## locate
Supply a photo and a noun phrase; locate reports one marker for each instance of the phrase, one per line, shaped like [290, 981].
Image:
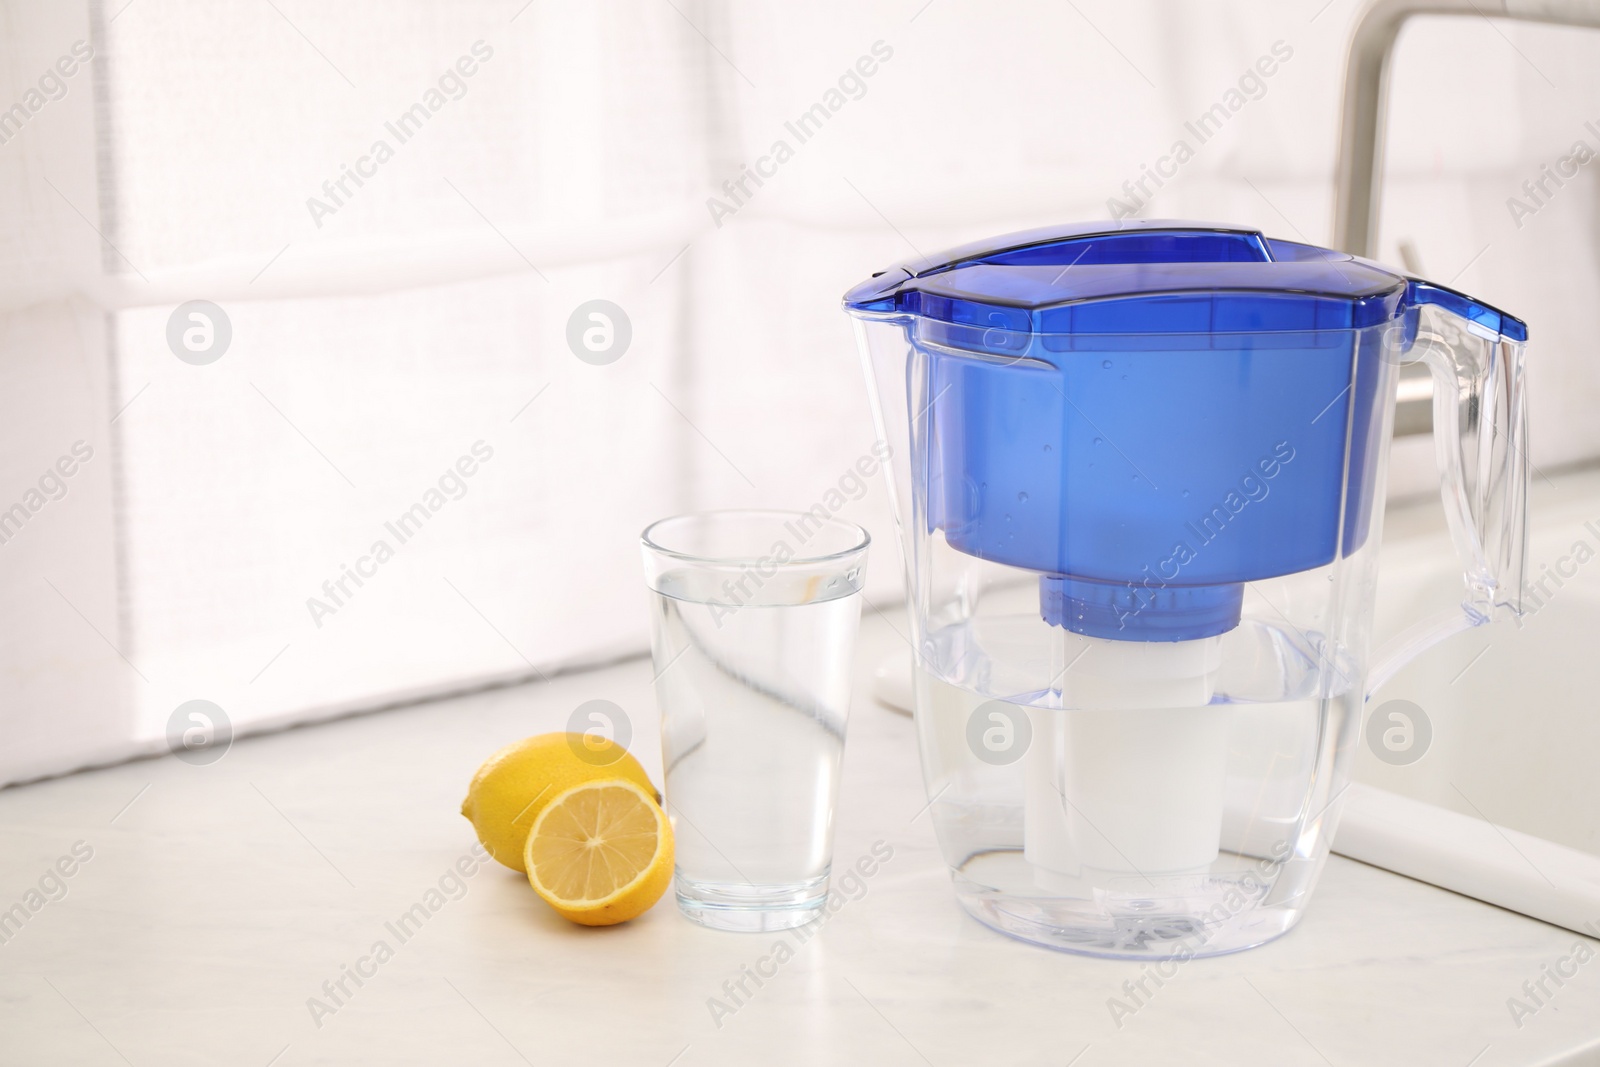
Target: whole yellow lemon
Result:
[516, 783]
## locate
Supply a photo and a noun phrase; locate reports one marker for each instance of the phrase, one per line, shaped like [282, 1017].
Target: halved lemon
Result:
[600, 853]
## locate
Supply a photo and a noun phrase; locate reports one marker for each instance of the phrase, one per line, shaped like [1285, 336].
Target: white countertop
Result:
[219, 899]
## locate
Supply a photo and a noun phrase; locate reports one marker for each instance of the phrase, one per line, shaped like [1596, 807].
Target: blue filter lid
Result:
[1147, 277]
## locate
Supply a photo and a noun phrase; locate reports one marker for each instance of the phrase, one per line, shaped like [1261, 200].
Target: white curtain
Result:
[390, 334]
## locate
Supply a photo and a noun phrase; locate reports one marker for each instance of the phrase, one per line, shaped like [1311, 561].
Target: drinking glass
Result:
[753, 620]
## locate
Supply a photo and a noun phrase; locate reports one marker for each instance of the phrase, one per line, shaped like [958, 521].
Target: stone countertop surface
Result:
[207, 906]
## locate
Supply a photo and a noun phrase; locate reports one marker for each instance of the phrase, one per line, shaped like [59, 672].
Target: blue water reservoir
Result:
[1150, 414]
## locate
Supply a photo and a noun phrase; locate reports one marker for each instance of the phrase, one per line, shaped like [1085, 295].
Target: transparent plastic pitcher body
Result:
[1140, 483]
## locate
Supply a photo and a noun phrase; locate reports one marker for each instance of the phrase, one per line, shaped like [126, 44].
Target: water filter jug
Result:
[1139, 481]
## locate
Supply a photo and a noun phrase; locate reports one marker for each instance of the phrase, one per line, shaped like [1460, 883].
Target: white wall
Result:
[66, 694]
[372, 350]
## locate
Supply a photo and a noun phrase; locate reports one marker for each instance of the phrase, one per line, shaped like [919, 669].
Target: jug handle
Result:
[1480, 436]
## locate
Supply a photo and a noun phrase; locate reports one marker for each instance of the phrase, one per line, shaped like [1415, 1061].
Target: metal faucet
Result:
[1360, 169]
